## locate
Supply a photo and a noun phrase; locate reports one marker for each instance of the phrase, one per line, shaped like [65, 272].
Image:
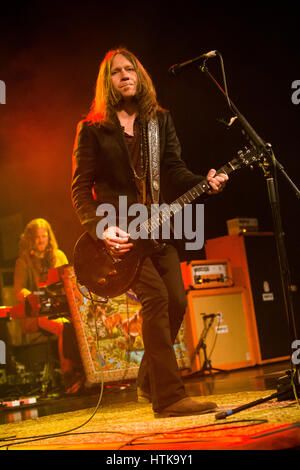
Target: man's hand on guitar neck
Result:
[217, 182]
[116, 241]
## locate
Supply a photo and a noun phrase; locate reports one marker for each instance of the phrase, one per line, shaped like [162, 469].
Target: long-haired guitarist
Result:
[127, 146]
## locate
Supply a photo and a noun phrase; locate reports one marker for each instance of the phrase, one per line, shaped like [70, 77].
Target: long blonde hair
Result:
[107, 97]
[27, 241]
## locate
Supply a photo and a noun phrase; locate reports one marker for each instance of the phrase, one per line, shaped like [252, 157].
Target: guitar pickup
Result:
[103, 280]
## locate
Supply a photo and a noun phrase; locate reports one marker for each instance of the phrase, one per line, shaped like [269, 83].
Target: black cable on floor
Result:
[201, 428]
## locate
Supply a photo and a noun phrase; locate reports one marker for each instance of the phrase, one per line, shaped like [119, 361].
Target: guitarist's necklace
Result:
[139, 157]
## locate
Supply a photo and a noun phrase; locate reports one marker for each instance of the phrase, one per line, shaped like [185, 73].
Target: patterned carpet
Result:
[270, 425]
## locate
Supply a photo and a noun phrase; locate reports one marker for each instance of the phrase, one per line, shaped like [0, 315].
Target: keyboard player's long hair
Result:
[27, 242]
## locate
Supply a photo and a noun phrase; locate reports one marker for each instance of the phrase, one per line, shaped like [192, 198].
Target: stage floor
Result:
[120, 423]
[258, 378]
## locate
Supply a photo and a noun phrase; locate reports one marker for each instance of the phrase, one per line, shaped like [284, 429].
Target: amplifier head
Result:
[206, 274]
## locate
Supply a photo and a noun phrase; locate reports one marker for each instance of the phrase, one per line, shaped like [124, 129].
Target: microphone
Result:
[175, 69]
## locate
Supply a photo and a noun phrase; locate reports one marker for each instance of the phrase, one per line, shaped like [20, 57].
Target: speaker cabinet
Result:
[255, 266]
[228, 344]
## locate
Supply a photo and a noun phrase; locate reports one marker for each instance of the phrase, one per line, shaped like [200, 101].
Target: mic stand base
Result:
[204, 368]
[285, 391]
[202, 345]
[207, 367]
[288, 384]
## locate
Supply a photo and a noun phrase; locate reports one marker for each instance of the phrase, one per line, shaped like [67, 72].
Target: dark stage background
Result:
[50, 53]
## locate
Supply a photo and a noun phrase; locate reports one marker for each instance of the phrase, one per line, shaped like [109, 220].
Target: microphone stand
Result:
[202, 345]
[291, 386]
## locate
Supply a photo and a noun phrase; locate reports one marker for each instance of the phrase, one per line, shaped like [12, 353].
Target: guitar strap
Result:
[154, 159]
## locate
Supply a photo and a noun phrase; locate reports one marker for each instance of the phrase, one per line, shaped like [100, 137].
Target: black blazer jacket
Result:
[102, 169]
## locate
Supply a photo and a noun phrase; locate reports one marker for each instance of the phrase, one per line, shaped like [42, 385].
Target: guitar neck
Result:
[200, 188]
[162, 216]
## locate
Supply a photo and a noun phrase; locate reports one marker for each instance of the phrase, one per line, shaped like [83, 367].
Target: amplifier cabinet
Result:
[254, 262]
[228, 341]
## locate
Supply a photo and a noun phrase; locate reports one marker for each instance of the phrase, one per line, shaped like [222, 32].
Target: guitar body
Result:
[104, 275]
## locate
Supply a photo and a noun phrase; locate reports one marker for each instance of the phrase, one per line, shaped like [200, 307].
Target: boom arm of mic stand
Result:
[264, 147]
[254, 138]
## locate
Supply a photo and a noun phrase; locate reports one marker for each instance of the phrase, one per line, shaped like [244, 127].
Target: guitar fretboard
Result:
[165, 213]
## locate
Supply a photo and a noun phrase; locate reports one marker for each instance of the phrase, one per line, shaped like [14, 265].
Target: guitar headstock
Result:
[245, 158]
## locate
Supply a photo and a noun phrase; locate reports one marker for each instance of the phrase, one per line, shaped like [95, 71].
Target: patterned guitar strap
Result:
[154, 159]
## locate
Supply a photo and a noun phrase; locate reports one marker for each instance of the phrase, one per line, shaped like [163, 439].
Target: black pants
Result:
[161, 292]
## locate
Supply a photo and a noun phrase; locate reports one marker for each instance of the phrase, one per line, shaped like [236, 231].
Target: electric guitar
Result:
[108, 276]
